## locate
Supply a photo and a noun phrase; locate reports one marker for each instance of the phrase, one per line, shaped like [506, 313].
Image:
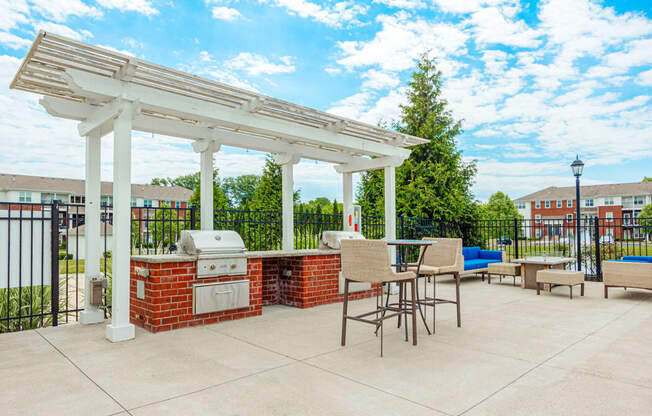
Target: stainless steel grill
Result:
[331, 239]
[219, 253]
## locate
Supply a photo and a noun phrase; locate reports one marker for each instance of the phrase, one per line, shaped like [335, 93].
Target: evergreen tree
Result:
[434, 182]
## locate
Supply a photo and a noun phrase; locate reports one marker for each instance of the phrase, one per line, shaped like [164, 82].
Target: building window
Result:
[547, 204]
[147, 203]
[24, 196]
[77, 199]
[177, 204]
[537, 218]
[106, 201]
[569, 217]
[588, 202]
[46, 198]
[537, 233]
[559, 203]
[626, 218]
[639, 200]
[609, 216]
[609, 201]
[569, 203]
[134, 202]
[538, 204]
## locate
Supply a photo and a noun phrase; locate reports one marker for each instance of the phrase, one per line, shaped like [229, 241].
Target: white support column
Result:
[120, 329]
[93, 241]
[287, 162]
[390, 207]
[347, 199]
[206, 148]
[206, 190]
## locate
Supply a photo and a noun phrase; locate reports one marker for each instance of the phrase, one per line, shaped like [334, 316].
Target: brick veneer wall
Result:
[314, 281]
[168, 296]
[270, 271]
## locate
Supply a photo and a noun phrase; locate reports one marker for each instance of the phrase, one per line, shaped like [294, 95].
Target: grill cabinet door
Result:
[222, 296]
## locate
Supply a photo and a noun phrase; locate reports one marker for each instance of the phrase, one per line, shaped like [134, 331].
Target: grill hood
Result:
[201, 243]
[331, 239]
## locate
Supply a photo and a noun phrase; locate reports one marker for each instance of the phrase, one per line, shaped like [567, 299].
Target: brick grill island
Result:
[298, 278]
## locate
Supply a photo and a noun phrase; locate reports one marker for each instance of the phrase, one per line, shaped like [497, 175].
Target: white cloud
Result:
[255, 65]
[205, 56]
[403, 4]
[140, 6]
[225, 13]
[492, 26]
[12, 41]
[59, 10]
[62, 30]
[400, 41]
[379, 80]
[645, 78]
[338, 14]
[14, 12]
[332, 71]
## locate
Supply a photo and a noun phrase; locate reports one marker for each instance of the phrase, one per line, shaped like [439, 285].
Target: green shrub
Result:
[26, 301]
[64, 256]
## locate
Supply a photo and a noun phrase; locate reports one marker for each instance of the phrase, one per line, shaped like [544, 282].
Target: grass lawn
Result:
[77, 266]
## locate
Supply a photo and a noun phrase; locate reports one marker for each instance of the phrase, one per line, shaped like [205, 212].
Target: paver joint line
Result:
[549, 358]
[82, 371]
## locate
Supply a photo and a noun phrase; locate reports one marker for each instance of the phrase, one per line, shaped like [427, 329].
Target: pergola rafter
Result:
[106, 91]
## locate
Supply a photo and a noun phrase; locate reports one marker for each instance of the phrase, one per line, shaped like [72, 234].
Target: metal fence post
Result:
[401, 226]
[193, 214]
[54, 274]
[598, 261]
[516, 237]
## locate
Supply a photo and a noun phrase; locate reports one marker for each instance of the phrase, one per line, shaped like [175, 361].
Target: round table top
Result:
[410, 242]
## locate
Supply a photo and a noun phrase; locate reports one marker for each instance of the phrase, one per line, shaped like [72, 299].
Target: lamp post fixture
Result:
[577, 167]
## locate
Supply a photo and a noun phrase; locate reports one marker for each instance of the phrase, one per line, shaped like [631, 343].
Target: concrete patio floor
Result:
[516, 354]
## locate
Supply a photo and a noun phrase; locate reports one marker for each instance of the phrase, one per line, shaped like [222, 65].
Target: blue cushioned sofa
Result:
[476, 260]
[637, 259]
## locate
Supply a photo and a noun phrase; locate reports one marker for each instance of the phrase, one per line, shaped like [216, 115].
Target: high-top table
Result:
[530, 266]
[401, 266]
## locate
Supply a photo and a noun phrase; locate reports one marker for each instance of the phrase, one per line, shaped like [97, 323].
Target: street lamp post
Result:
[577, 167]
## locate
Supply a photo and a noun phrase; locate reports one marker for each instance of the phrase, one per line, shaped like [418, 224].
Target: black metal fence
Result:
[42, 246]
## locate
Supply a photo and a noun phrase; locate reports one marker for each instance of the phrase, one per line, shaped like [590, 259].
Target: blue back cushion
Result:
[470, 253]
[491, 254]
[641, 259]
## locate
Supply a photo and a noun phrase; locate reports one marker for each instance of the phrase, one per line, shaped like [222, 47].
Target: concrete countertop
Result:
[291, 253]
[177, 258]
[164, 258]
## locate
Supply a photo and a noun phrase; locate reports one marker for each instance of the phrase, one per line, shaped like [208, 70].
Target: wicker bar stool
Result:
[443, 258]
[368, 261]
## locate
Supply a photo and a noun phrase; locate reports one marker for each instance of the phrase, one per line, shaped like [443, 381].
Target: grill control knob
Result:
[212, 267]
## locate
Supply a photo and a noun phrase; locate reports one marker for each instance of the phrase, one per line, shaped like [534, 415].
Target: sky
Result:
[534, 83]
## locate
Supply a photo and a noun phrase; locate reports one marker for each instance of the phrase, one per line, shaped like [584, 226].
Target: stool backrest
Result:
[445, 252]
[365, 260]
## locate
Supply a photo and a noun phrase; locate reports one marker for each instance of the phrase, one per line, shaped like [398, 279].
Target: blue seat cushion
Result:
[641, 259]
[491, 254]
[478, 264]
[631, 260]
[470, 253]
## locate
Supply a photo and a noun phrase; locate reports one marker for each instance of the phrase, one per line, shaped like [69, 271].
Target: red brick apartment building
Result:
[45, 190]
[552, 210]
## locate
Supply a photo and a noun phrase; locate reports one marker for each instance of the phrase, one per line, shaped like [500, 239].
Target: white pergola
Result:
[110, 92]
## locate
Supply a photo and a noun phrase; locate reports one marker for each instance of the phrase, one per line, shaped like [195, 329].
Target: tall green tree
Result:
[645, 220]
[434, 182]
[268, 195]
[499, 207]
[647, 179]
[190, 181]
[498, 214]
[220, 200]
[240, 190]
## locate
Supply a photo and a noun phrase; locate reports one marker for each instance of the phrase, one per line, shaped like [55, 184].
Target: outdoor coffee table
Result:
[530, 266]
[401, 266]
